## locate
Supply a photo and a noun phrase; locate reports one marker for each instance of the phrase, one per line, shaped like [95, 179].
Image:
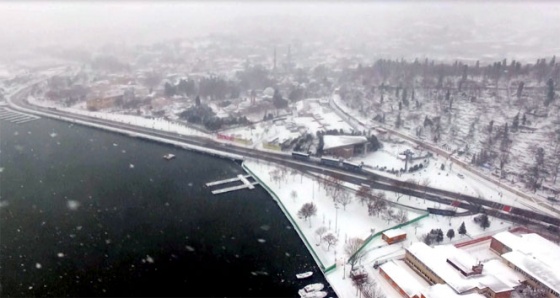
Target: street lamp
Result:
[336, 218]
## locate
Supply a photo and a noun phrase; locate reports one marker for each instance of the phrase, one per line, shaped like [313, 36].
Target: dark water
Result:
[90, 213]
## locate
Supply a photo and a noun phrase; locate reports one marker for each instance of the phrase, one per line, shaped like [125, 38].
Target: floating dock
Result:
[242, 178]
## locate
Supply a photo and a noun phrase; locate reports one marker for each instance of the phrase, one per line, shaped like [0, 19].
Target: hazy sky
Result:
[27, 24]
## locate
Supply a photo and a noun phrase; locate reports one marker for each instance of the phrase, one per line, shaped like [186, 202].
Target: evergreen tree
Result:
[484, 221]
[450, 234]
[439, 237]
[550, 92]
[197, 101]
[462, 229]
[515, 124]
[169, 90]
[520, 89]
[523, 119]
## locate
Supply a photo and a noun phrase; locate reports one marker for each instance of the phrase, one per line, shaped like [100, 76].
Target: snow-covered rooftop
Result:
[436, 259]
[394, 233]
[444, 291]
[331, 141]
[535, 255]
[402, 278]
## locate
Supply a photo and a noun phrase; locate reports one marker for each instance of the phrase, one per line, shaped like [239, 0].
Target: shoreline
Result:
[133, 134]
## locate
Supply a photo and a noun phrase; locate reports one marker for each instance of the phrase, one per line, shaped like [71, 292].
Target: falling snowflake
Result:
[53, 134]
[265, 227]
[149, 259]
[72, 205]
[131, 166]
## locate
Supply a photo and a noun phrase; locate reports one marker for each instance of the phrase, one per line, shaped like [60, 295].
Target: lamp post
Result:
[336, 218]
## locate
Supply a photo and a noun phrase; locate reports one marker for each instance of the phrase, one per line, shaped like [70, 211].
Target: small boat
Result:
[314, 287]
[169, 156]
[304, 275]
[315, 294]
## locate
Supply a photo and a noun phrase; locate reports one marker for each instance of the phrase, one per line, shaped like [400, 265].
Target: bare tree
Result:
[425, 183]
[400, 216]
[275, 176]
[344, 198]
[530, 292]
[371, 290]
[351, 247]
[330, 239]
[363, 194]
[293, 173]
[413, 183]
[307, 210]
[320, 232]
[293, 194]
[504, 159]
[332, 185]
[377, 204]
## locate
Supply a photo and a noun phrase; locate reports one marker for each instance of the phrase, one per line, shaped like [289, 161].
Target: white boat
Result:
[304, 275]
[314, 294]
[314, 287]
[169, 156]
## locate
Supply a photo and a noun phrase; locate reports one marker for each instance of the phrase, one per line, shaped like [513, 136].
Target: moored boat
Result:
[314, 294]
[314, 287]
[169, 156]
[304, 275]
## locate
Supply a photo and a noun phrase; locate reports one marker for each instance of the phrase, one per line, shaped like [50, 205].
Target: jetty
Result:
[243, 178]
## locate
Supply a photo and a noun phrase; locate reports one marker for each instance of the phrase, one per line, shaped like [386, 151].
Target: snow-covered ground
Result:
[158, 123]
[295, 189]
[452, 178]
[456, 135]
[311, 116]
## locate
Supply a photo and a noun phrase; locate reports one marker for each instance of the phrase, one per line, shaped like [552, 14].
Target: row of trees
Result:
[455, 75]
[436, 235]
[207, 87]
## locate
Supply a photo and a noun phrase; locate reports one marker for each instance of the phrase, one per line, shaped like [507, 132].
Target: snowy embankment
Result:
[159, 124]
[136, 134]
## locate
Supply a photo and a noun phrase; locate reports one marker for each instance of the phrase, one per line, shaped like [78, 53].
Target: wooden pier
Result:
[243, 178]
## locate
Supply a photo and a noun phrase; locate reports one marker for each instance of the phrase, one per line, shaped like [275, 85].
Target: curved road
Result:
[474, 204]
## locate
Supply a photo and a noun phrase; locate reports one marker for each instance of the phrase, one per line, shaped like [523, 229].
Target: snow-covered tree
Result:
[363, 194]
[330, 239]
[320, 232]
[307, 210]
[344, 198]
[351, 247]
